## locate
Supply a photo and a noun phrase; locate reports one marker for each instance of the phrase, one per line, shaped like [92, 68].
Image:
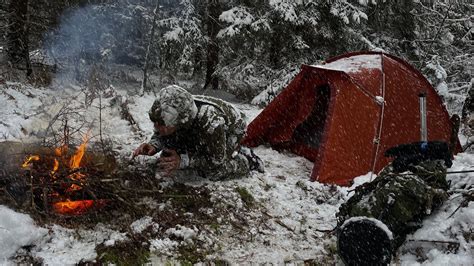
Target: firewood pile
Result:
[100, 188]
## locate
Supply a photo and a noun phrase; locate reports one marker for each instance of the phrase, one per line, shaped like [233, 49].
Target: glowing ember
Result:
[73, 188]
[77, 207]
[31, 158]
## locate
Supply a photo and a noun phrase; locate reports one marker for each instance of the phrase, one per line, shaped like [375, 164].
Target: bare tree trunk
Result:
[17, 35]
[148, 49]
[212, 59]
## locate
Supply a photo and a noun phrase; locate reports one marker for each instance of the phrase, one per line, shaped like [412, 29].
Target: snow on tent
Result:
[343, 115]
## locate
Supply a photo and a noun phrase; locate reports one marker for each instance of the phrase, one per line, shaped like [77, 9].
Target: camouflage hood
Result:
[174, 106]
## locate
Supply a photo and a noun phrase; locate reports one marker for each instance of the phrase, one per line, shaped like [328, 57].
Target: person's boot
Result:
[255, 163]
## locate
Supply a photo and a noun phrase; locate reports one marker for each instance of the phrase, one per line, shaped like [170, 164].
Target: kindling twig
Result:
[467, 146]
[470, 196]
[32, 192]
[457, 244]
[441, 26]
[460, 172]
[156, 192]
[278, 221]
[108, 180]
[325, 230]
[448, 173]
[459, 207]
[45, 199]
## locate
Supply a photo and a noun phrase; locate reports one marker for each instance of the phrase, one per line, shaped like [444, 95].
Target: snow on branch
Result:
[237, 17]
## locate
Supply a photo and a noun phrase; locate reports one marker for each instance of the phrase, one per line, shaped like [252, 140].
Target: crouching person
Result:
[198, 132]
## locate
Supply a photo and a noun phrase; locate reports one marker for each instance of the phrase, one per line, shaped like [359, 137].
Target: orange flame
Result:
[77, 157]
[69, 207]
[27, 162]
[59, 151]
[81, 206]
[77, 207]
[55, 167]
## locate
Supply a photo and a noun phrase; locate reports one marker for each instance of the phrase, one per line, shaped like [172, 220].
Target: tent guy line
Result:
[382, 112]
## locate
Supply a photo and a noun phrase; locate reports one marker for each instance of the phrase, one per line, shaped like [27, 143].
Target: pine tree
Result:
[18, 35]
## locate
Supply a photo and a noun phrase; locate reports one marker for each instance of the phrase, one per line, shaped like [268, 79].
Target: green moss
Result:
[187, 198]
[220, 263]
[331, 248]
[313, 263]
[123, 255]
[189, 255]
[245, 195]
[215, 227]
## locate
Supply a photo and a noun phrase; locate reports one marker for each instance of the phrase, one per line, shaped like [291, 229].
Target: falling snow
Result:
[289, 224]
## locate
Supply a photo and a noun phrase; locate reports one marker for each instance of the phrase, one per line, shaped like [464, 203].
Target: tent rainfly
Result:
[343, 115]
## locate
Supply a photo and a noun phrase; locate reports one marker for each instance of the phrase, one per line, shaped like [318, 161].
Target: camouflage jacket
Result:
[209, 142]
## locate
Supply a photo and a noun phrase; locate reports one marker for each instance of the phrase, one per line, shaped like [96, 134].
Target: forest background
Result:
[69, 65]
[242, 47]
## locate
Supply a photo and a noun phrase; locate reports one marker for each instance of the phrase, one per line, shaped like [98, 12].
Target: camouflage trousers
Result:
[236, 166]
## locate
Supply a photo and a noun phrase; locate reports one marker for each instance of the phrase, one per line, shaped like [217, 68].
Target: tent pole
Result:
[423, 122]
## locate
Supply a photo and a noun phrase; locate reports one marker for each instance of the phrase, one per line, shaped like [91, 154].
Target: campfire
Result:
[59, 180]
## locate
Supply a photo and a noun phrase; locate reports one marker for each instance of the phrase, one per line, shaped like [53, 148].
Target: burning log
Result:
[375, 221]
[56, 179]
[77, 207]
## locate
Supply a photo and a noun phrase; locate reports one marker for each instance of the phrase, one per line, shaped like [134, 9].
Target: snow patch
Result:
[286, 9]
[182, 232]
[237, 17]
[67, 246]
[355, 63]
[379, 99]
[140, 225]
[17, 230]
[164, 246]
[174, 34]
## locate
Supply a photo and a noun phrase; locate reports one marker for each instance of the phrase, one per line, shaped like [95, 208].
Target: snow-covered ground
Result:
[290, 220]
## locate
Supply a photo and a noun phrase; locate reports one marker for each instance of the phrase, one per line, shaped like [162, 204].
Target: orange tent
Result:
[344, 114]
